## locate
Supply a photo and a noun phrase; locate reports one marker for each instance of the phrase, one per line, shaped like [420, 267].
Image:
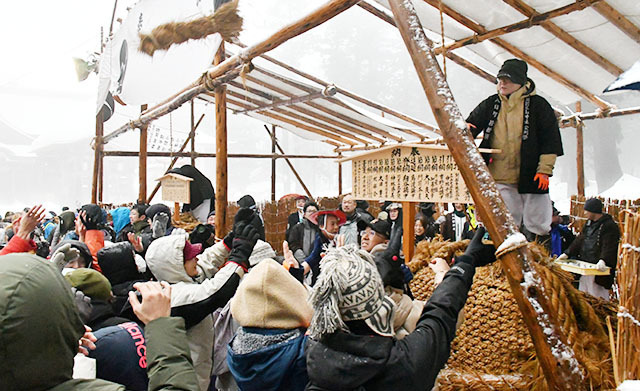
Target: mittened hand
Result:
[478, 253]
[543, 181]
[245, 239]
[64, 255]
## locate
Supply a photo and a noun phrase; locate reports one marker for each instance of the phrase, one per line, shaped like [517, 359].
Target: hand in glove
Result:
[83, 303]
[601, 265]
[562, 257]
[64, 255]
[478, 253]
[244, 240]
[159, 225]
[244, 215]
[543, 181]
[389, 262]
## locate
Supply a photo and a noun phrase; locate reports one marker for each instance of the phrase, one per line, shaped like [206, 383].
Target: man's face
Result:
[310, 210]
[458, 207]
[331, 226]
[591, 216]
[506, 87]
[134, 216]
[211, 220]
[300, 203]
[393, 214]
[348, 204]
[370, 239]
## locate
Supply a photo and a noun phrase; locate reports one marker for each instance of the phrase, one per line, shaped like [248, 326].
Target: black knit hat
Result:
[381, 226]
[515, 70]
[593, 205]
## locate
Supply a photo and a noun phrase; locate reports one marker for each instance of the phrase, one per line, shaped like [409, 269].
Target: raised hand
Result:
[156, 300]
[29, 221]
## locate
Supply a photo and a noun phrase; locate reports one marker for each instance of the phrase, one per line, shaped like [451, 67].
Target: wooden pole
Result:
[567, 38]
[295, 173]
[273, 163]
[192, 136]
[569, 121]
[580, 151]
[339, 175]
[177, 155]
[221, 152]
[97, 157]
[618, 20]
[555, 356]
[408, 229]
[174, 159]
[324, 93]
[142, 161]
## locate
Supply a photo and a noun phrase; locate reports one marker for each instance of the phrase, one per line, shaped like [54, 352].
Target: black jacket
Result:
[598, 240]
[344, 361]
[542, 138]
[448, 231]
[292, 221]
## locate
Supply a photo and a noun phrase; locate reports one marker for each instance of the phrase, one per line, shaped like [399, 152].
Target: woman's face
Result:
[393, 214]
[418, 228]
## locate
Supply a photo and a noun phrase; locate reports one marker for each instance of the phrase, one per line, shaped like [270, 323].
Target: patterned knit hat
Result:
[350, 288]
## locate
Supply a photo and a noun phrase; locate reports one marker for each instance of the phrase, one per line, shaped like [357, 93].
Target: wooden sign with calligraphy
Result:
[413, 173]
[176, 188]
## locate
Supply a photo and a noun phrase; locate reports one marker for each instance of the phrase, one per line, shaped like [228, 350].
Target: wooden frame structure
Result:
[291, 104]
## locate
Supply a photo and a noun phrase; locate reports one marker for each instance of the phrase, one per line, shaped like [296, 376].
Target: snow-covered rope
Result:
[623, 313]
[631, 247]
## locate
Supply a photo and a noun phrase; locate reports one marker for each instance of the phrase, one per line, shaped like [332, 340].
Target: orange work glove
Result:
[543, 181]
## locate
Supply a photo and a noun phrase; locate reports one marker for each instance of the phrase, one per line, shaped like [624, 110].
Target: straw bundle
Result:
[494, 339]
[187, 222]
[628, 338]
[225, 21]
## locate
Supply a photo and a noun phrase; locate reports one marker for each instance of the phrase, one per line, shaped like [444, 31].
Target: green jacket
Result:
[40, 328]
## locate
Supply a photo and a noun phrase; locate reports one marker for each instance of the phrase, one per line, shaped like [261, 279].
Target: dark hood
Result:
[277, 367]
[39, 324]
[67, 221]
[344, 361]
[117, 263]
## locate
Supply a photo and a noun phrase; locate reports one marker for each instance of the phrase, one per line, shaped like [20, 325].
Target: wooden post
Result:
[580, 151]
[176, 211]
[295, 173]
[273, 163]
[97, 157]
[221, 151]
[192, 136]
[339, 174]
[142, 162]
[556, 357]
[408, 233]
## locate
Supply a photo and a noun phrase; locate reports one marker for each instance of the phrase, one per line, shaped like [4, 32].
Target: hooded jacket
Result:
[540, 134]
[346, 361]
[195, 302]
[301, 239]
[598, 240]
[267, 352]
[40, 328]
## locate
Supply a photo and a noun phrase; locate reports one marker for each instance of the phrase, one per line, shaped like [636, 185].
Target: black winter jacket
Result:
[598, 240]
[542, 137]
[344, 361]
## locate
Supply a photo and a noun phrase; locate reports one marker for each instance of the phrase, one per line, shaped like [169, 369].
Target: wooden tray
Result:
[576, 266]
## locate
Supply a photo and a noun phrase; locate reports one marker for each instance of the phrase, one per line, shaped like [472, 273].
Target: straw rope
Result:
[225, 21]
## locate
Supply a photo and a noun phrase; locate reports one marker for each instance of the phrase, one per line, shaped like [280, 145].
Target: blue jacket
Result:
[120, 218]
[281, 366]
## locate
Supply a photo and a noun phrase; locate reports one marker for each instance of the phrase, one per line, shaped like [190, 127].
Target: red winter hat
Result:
[191, 250]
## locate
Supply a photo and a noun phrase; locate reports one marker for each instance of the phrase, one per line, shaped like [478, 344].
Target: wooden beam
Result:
[330, 111]
[97, 157]
[618, 20]
[221, 152]
[580, 151]
[408, 229]
[324, 93]
[452, 56]
[192, 135]
[273, 163]
[353, 95]
[177, 155]
[555, 356]
[173, 155]
[570, 121]
[295, 173]
[324, 118]
[142, 162]
[545, 22]
[309, 121]
[470, 24]
[339, 175]
[297, 124]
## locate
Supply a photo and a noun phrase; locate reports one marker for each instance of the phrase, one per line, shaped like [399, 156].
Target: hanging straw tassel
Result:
[225, 21]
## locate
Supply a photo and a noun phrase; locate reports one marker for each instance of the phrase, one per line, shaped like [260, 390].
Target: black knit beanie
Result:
[515, 70]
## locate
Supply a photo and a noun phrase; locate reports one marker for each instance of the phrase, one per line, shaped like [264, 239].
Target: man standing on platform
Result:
[598, 244]
[524, 127]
